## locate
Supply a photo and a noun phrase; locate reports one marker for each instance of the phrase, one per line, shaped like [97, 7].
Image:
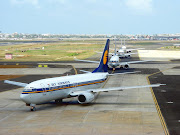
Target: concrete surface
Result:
[158, 55]
[33, 71]
[171, 72]
[120, 112]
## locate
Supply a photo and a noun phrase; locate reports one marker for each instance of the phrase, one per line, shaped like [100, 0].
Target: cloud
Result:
[35, 3]
[92, 1]
[140, 6]
[57, 1]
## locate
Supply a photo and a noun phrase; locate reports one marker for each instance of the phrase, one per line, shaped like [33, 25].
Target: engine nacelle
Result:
[86, 97]
[126, 66]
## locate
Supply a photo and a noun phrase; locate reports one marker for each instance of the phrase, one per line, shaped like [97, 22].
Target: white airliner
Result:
[84, 86]
[123, 52]
[115, 61]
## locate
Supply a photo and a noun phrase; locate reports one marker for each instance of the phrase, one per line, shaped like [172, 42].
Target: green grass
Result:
[171, 48]
[60, 51]
[150, 42]
[73, 54]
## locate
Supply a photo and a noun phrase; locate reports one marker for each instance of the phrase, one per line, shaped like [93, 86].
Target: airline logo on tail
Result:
[103, 67]
[105, 58]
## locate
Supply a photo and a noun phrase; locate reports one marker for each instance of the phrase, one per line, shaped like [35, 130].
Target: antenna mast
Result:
[121, 42]
[115, 47]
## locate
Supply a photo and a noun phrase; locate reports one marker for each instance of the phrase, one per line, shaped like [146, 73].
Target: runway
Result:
[121, 112]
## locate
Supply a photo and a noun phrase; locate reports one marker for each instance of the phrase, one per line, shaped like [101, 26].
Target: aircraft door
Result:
[43, 88]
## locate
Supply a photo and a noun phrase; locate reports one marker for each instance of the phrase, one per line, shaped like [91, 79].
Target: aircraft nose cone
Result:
[23, 97]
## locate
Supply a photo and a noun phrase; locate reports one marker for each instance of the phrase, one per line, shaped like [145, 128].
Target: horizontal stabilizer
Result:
[85, 71]
[124, 73]
[16, 83]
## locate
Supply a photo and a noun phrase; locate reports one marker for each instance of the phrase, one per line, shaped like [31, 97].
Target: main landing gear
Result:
[32, 107]
[58, 101]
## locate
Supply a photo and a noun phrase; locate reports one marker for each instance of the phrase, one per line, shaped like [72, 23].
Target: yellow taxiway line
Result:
[166, 131]
[74, 70]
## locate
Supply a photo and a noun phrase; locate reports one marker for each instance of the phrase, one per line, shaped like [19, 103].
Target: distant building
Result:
[8, 56]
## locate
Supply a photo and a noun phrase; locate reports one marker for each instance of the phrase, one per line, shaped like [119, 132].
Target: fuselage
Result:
[114, 61]
[123, 53]
[45, 90]
[123, 48]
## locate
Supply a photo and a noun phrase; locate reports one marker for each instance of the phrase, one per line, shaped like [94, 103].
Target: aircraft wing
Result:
[131, 62]
[125, 87]
[134, 49]
[109, 53]
[87, 61]
[123, 73]
[127, 54]
[76, 93]
[16, 83]
[130, 53]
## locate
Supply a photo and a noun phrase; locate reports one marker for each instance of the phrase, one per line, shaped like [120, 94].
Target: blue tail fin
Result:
[103, 65]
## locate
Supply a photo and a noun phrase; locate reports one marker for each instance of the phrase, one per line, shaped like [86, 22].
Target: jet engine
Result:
[86, 97]
[126, 66]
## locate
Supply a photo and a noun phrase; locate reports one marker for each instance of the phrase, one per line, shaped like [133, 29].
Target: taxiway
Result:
[121, 112]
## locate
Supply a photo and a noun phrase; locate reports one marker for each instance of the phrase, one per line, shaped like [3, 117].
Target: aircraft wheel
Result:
[126, 68]
[58, 101]
[33, 108]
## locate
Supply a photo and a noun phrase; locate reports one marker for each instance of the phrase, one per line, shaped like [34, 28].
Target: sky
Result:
[90, 16]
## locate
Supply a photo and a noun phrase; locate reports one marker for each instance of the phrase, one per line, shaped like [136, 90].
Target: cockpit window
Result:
[27, 89]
